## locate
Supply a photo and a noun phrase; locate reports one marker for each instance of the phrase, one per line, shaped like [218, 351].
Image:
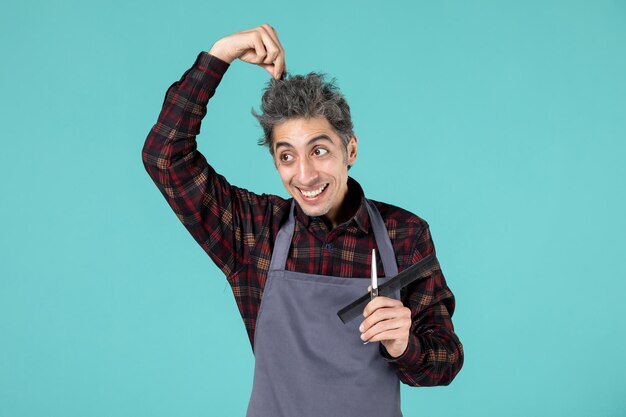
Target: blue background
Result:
[500, 123]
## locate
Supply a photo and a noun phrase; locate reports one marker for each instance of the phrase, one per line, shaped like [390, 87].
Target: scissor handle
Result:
[374, 293]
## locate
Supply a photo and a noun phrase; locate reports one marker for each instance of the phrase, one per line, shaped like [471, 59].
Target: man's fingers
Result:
[279, 63]
[272, 32]
[259, 45]
[388, 316]
[279, 66]
[375, 332]
[255, 51]
[380, 302]
[271, 46]
[264, 51]
[393, 334]
[381, 330]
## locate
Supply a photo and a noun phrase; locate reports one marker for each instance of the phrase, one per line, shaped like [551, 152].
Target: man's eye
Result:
[320, 152]
[286, 157]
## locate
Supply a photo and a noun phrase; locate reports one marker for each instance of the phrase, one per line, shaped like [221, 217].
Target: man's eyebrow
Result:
[285, 144]
[317, 138]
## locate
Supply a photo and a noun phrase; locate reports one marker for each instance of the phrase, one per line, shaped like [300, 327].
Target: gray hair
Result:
[304, 96]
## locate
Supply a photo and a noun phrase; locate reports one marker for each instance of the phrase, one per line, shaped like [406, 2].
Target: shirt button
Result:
[328, 246]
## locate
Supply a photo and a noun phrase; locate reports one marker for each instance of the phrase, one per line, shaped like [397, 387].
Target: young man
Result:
[292, 264]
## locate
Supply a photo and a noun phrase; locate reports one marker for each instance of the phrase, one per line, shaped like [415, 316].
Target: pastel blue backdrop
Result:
[501, 123]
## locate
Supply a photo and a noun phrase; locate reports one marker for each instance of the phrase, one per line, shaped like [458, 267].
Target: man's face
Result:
[313, 164]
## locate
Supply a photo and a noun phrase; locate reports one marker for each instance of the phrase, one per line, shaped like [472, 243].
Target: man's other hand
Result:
[259, 46]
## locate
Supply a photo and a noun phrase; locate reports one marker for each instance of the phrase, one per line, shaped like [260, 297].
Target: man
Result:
[292, 264]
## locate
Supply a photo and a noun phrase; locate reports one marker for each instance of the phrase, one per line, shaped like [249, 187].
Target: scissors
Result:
[374, 292]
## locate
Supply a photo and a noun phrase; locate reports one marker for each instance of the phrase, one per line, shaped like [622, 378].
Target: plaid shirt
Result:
[237, 229]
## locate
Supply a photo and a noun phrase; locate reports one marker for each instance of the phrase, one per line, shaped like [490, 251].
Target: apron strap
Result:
[385, 249]
[283, 242]
[383, 242]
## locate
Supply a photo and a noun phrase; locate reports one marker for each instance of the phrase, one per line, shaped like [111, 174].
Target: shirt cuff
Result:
[208, 63]
[410, 356]
[198, 83]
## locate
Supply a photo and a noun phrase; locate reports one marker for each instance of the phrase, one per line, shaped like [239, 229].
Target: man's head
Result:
[303, 96]
[308, 130]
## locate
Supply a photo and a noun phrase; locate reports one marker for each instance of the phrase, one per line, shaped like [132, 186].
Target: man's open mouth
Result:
[313, 193]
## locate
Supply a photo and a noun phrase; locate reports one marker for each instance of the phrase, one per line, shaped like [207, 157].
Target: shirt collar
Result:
[360, 217]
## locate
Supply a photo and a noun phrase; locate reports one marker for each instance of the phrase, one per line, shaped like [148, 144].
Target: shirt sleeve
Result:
[222, 218]
[434, 355]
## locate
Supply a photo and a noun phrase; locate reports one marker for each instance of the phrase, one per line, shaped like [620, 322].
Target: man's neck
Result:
[347, 209]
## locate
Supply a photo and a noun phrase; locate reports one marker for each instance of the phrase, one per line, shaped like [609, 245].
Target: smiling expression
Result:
[313, 165]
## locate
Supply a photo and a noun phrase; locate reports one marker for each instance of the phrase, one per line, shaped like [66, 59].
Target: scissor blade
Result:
[374, 274]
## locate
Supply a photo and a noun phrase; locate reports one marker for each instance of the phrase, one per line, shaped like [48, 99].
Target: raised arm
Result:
[222, 218]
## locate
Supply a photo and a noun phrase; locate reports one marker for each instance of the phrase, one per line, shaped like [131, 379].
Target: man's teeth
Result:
[313, 193]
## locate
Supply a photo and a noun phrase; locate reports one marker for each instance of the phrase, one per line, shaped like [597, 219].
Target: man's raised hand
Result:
[259, 46]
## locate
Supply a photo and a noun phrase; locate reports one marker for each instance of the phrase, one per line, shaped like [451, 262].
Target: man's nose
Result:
[306, 172]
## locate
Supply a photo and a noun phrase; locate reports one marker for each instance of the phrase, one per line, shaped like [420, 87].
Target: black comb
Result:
[422, 269]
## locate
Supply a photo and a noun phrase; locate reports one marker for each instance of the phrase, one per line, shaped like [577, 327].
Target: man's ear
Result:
[352, 150]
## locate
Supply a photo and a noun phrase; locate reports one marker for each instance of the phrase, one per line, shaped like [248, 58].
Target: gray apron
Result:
[307, 362]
